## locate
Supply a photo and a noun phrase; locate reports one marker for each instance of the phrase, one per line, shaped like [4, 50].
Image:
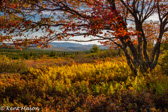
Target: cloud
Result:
[154, 17]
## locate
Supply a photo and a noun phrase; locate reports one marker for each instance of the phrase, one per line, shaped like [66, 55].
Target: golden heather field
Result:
[63, 85]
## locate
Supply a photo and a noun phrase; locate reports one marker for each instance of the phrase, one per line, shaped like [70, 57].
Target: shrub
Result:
[101, 86]
[95, 49]
[11, 66]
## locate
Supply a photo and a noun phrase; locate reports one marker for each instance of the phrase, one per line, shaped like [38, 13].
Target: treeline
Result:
[37, 54]
[32, 53]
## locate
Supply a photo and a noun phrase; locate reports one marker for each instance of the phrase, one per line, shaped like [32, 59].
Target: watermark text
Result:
[8, 108]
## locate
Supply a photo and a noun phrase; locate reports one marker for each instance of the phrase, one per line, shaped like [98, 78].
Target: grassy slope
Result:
[102, 86]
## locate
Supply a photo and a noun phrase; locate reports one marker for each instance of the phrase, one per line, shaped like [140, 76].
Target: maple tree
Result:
[121, 23]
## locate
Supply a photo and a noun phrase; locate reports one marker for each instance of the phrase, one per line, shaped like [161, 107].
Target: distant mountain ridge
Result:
[67, 46]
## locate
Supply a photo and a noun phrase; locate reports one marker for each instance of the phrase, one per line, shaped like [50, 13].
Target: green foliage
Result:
[164, 46]
[52, 54]
[10, 66]
[95, 49]
[164, 63]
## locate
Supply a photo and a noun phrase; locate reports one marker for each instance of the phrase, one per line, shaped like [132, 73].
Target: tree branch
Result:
[82, 40]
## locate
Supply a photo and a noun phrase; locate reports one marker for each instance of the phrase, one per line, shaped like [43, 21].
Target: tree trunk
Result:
[136, 64]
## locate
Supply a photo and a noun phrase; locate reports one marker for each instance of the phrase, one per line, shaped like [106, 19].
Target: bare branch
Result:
[128, 8]
[159, 13]
[166, 29]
